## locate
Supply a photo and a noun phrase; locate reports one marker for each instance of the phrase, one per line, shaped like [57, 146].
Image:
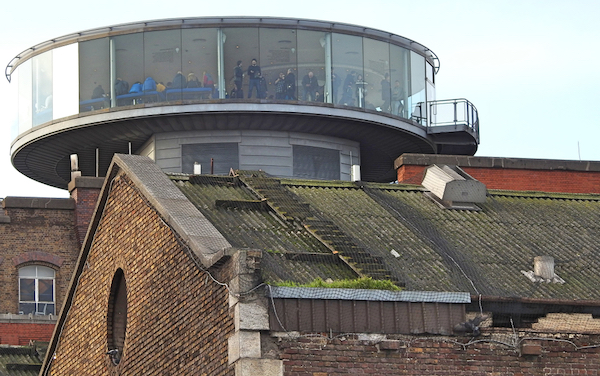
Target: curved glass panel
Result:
[162, 64]
[278, 54]
[127, 68]
[400, 80]
[312, 74]
[416, 99]
[191, 64]
[13, 102]
[25, 95]
[241, 44]
[347, 60]
[200, 64]
[94, 75]
[377, 75]
[66, 76]
[41, 96]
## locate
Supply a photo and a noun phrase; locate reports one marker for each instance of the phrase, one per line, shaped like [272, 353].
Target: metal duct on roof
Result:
[452, 186]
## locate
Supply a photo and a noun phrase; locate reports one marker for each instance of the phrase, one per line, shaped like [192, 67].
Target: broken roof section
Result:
[336, 230]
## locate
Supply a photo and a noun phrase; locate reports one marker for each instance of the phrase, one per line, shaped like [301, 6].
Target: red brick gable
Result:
[178, 318]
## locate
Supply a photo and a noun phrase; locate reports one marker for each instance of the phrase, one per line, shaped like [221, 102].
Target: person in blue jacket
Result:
[149, 84]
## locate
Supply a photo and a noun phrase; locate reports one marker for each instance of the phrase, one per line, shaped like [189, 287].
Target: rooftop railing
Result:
[453, 112]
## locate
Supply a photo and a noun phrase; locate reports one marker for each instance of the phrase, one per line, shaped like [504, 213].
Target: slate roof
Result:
[332, 229]
[21, 360]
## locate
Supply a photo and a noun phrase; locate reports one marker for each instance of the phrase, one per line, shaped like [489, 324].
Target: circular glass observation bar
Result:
[306, 94]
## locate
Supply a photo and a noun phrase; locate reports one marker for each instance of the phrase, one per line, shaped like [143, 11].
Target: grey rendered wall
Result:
[265, 150]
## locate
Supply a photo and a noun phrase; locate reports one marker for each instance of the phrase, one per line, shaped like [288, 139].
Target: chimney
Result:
[85, 190]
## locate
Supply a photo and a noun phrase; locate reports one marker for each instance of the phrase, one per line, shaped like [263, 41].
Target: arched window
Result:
[117, 317]
[36, 290]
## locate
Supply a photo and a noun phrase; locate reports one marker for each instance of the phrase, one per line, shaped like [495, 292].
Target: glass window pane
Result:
[44, 309]
[44, 272]
[46, 290]
[42, 88]
[347, 60]
[25, 96]
[377, 75]
[311, 59]
[66, 75]
[26, 290]
[277, 54]
[28, 272]
[400, 78]
[162, 64]
[13, 102]
[127, 53]
[94, 75]
[241, 44]
[430, 74]
[200, 63]
[26, 308]
[417, 89]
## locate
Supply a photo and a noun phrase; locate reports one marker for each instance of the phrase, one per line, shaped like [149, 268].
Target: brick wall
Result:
[19, 334]
[178, 319]
[85, 192]
[436, 356]
[36, 235]
[518, 174]
[518, 179]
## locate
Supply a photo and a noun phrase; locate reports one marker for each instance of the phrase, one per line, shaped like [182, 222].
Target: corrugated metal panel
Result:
[364, 316]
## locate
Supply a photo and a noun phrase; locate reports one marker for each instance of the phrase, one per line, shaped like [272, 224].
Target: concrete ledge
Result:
[38, 203]
[494, 162]
[27, 319]
[89, 182]
[259, 367]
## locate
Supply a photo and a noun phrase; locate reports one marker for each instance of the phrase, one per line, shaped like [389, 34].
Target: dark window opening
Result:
[220, 157]
[117, 317]
[316, 163]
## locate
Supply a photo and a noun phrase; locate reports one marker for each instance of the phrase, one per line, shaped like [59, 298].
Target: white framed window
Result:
[36, 290]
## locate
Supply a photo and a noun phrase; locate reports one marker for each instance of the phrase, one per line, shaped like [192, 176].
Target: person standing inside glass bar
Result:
[361, 90]
[290, 84]
[386, 87]
[238, 77]
[254, 76]
[397, 95]
[310, 86]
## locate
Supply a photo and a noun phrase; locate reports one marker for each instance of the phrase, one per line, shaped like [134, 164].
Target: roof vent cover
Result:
[543, 271]
[453, 188]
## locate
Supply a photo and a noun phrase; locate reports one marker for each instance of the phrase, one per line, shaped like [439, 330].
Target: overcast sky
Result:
[530, 67]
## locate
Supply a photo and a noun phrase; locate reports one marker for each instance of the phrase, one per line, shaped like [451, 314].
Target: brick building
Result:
[179, 274]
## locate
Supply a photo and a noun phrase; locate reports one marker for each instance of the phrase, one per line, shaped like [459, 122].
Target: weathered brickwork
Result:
[178, 319]
[36, 237]
[86, 203]
[435, 356]
[518, 179]
[19, 334]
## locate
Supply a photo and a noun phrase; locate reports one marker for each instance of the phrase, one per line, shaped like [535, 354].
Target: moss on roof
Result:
[338, 230]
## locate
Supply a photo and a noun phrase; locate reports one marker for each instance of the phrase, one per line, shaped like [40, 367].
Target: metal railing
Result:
[453, 112]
